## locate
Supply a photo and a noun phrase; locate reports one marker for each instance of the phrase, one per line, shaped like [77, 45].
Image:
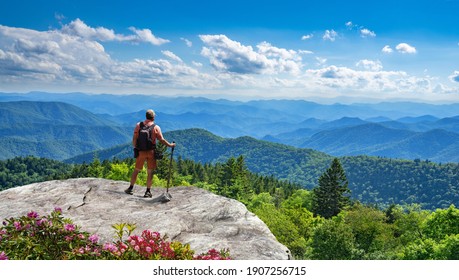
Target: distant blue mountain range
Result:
[398, 130]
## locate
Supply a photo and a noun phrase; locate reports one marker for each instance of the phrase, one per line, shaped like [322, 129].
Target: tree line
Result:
[322, 223]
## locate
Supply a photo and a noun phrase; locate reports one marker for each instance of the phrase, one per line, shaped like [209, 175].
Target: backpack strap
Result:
[150, 128]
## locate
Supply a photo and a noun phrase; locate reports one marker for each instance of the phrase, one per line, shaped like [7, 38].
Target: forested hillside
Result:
[54, 130]
[382, 181]
[373, 180]
[379, 140]
[355, 232]
[26, 170]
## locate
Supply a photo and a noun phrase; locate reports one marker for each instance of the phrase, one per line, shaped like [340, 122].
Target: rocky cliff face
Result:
[194, 216]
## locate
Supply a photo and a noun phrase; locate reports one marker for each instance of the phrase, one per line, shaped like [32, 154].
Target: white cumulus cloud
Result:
[187, 42]
[330, 35]
[307, 37]
[344, 78]
[197, 64]
[371, 65]
[80, 29]
[145, 35]
[60, 59]
[172, 56]
[349, 25]
[405, 48]
[231, 56]
[387, 49]
[74, 57]
[367, 33]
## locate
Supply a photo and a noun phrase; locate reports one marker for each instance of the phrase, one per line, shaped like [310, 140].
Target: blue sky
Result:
[315, 50]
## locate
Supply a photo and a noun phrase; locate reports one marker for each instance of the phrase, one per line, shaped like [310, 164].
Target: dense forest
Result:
[352, 231]
[373, 180]
[21, 171]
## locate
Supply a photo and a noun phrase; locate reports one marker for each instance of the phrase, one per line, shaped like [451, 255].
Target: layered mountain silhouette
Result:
[54, 130]
[396, 130]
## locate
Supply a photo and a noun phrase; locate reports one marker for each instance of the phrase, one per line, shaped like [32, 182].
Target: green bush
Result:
[54, 237]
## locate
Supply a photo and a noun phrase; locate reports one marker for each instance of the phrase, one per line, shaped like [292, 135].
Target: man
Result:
[146, 155]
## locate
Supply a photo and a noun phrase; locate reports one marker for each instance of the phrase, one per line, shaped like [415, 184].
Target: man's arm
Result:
[160, 137]
[134, 139]
[135, 135]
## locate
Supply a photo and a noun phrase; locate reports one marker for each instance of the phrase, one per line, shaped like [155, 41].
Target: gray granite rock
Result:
[194, 216]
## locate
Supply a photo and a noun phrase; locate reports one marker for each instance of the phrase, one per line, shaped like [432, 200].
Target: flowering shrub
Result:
[54, 237]
[213, 254]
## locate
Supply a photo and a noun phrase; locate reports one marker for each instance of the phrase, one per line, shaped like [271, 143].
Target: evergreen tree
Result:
[331, 196]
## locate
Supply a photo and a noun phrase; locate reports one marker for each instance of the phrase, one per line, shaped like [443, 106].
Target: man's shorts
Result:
[147, 156]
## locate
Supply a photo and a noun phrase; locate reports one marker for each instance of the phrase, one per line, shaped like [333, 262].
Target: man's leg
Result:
[132, 182]
[150, 178]
[134, 176]
[151, 166]
[138, 167]
[150, 173]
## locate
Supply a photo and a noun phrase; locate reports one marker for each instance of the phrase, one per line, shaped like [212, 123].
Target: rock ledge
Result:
[194, 216]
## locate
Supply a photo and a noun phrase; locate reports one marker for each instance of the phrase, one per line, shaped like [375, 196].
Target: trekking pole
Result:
[170, 170]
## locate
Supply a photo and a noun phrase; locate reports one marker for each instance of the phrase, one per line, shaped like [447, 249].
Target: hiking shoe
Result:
[147, 194]
[129, 191]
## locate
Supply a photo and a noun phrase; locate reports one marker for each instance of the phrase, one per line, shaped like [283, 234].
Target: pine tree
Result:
[331, 196]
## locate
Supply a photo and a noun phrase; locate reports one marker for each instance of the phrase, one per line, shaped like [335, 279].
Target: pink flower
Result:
[3, 256]
[32, 215]
[94, 238]
[110, 247]
[69, 227]
[17, 225]
[213, 254]
[58, 210]
[42, 222]
[123, 247]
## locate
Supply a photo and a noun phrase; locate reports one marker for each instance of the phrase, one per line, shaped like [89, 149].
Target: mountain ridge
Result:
[373, 180]
[54, 130]
[343, 136]
[110, 103]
